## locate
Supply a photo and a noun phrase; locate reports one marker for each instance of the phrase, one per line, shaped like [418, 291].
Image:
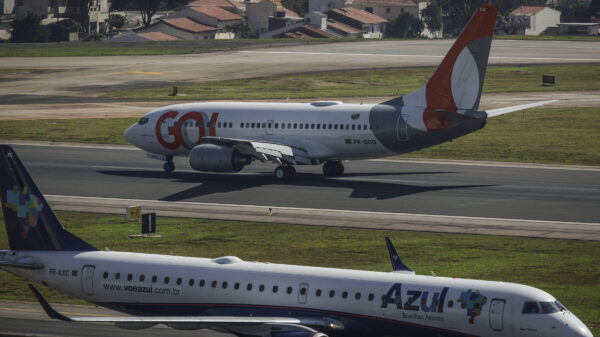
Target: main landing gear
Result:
[333, 169]
[284, 172]
[169, 166]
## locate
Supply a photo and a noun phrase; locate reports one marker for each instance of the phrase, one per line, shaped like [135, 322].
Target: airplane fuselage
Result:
[367, 303]
[317, 131]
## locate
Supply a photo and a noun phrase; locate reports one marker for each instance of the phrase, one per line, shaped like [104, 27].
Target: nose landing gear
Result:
[333, 169]
[284, 172]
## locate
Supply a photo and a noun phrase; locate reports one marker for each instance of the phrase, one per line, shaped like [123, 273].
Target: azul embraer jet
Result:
[225, 137]
[259, 299]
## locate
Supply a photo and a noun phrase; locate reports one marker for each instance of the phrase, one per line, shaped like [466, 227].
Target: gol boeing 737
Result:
[225, 137]
[259, 299]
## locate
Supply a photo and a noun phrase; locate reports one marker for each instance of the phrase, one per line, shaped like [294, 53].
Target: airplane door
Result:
[269, 127]
[302, 293]
[497, 314]
[87, 280]
[402, 128]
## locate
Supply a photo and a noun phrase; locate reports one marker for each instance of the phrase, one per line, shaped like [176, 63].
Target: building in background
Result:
[533, 20]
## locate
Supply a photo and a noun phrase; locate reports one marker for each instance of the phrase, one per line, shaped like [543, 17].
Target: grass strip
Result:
[543, 135]
[53, 49]
[380, 82]
[568, 269]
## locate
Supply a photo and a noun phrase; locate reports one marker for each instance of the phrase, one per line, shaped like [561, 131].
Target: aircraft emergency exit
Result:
[225, 137]
[248, 299]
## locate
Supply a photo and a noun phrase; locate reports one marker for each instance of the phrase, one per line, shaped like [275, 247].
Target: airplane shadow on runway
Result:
[210, 183]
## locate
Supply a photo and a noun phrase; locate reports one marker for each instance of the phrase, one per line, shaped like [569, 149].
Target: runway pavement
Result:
[494, 198]
[83, 79]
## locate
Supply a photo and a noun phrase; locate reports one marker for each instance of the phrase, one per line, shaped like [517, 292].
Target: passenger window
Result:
[301, 125]
[331, 293]
[282, 125]
[318, 126]
[531, 308]
[306, 126]
[357, 296]
[371, 297]
[358, 127]
[224, 285]
[236, 286]
[303, 291]
[275, 289]
[312, 126]
[289, 125]
[289, 290]
[241, 125]
[142, 278]
[264, 125]
[318, 292]
[214, 284]
[191, 282]
[450, 304]
[105, 275]
[276, 125]
[353, 127]
[345, 294]
[154, 279]
[230, 125]
[247, 125]
[269, 125]
[249, 286]
[219, 124]
[335, 126]
[364, 126]
[201, 283]
[330, 126]
[295, 125]
[252, 125]
[179, 280]
[117, 276]
[347, 126]
[129, 277]
[167, 280]
[261, 288]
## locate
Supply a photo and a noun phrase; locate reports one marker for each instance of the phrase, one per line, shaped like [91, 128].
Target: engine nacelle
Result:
[298, 334]
[217, 158]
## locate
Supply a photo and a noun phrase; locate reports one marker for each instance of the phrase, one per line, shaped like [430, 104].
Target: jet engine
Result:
[298, 334]
[217, 158]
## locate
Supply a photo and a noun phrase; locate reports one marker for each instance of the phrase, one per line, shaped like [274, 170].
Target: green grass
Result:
[82, 130]
[142, 48]
[568, 269]
[548, 37]
[380, 82]
[543, 135]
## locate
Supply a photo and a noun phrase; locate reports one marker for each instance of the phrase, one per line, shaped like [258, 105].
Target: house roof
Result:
[342, 27]
[158, 36]
[288, 12]
[217, 12]
[218, 3]
[359, 15]
[307, 32]
[188, 25]
[527, 10]
[385, 3]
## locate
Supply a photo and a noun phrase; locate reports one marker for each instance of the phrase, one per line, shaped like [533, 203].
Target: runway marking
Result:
[309, 210]
[420, 56]
[156, 73]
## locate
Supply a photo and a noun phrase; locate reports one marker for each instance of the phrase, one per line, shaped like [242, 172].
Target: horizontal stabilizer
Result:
[508, 109]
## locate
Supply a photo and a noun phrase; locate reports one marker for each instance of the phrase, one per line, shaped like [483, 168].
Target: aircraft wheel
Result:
[284, 172]
[333, 169]
[169, 166]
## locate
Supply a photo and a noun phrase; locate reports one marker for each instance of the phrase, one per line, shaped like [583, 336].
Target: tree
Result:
[28, 29]
[432, 16]
[298, 6]
[147, 8]
[117, 20]
[405, 25]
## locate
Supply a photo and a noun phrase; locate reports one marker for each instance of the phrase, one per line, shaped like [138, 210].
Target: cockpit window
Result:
[549, 307]
[560, 306]
[143, 120]
[531, 308]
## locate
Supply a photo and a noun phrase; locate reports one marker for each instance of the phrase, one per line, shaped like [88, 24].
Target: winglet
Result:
[47, 308]
[397, 264]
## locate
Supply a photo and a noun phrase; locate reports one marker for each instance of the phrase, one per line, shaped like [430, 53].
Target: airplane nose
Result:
[129, 134]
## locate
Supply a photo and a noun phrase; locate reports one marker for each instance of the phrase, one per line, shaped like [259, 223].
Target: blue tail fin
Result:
[397, 264]
[30, 222]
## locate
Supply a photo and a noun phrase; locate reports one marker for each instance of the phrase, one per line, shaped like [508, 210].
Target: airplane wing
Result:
[264, 151]
[502, 111]
[230, 323]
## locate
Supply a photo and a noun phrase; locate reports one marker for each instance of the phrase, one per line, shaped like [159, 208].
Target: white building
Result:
[535, 19]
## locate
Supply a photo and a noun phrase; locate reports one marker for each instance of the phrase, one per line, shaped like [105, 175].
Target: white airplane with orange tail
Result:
[225, 137]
